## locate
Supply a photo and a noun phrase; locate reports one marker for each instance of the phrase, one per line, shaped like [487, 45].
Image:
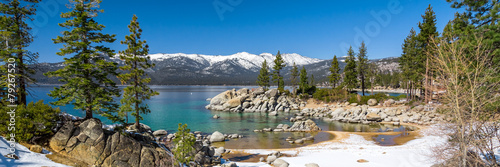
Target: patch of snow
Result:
[27, 158]
[244, 59]
[346, 153]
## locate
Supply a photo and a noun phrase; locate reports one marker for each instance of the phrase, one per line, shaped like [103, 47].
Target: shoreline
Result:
[340, 135]
[348, 147]
[382, 90]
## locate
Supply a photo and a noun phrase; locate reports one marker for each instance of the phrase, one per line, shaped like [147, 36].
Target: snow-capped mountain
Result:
[197, 69]
[245, 60]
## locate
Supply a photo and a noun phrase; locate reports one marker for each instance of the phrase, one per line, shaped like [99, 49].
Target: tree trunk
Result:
[136, 83]
[22, 81]
[363, 85]
[426, 87]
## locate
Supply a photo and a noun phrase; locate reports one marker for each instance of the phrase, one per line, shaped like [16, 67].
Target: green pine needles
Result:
[279, 63]
[15, 38]
[350, 72]
[184, 142]
[136, 62]
[334, 76]
[86, 75]
[263, 78]
[303, 83]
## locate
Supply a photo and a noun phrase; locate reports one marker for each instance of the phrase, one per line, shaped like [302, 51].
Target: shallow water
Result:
[186, 104]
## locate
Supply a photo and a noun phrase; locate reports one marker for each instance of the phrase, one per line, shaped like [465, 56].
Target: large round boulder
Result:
[216, 137]
[371, 102]
[373, 117]
[160, 132]
[258, 91]
[312, 165]
[222, 98]
[272, 93]
[280, 163]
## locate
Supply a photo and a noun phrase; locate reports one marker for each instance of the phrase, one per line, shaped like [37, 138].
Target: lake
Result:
[186, 104]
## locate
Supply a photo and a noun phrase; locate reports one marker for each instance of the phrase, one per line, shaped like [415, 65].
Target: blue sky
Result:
[318, 29]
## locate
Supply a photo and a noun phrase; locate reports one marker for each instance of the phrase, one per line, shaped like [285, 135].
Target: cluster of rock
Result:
[207, 154]
[299, 141]
[258, 100]
[273, 159]
[219, 137]
[386, 112]
[298, 126]
[90, 144]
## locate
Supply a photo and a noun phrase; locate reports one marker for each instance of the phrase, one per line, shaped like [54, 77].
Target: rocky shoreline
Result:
[273, 102]
[255, 100]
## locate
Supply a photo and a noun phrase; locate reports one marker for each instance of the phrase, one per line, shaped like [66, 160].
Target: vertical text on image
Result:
[11, 97]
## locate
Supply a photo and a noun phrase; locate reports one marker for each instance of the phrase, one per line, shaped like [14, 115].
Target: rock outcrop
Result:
[89, 143]
[257, 100]
[304, 126]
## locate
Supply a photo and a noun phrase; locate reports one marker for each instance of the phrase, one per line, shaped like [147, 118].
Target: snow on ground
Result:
[415, 153]
[26, 157]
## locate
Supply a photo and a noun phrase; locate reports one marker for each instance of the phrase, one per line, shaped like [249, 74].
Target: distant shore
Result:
[383, 90]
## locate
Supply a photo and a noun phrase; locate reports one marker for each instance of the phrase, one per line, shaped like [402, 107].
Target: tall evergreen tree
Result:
[136, 61]
[334, 76]
[428, 31]
[85, 75]
[350, 73]
[277, 78]
[16, 14]
[312, 83]
[410, 64]
[293, 77]
[484, 18]
[263, 78]
[372, 74]
[303, 84]
[362, 65]
[5, 53]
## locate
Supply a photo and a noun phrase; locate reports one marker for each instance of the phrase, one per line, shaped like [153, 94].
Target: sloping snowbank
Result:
[26, 157]
[416, 153]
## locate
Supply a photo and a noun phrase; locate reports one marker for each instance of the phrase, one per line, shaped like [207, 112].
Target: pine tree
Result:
[263, 78]
[184, 144]
[303, 84]
[312, 83]
[334, 72]
[482, 18]
[350, 73]
[136, 61]
[294, 74]
[277, 78]
[5, 53]
[371, 74]
[15, 17]
[410, 64]
[362, 65]
[85, 75]
[428, 31]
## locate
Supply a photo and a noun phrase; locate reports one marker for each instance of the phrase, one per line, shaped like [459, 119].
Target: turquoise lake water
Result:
[186, 104]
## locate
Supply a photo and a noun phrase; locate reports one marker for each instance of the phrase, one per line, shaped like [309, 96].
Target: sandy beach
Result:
[349, 147]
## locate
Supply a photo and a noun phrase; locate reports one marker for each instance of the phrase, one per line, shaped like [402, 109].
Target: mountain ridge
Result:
[198, 69]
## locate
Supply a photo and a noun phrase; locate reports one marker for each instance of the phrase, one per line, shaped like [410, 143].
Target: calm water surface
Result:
[186, 104]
